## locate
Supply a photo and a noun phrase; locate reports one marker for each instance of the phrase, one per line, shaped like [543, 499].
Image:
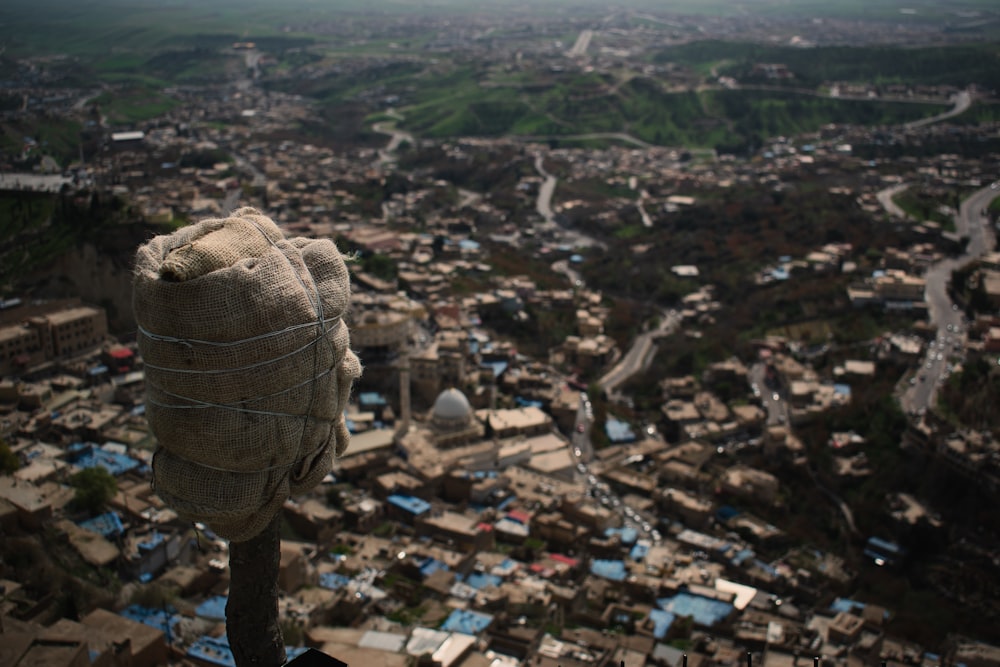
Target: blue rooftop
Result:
[410, 504]
[619, 431]
[333, 581]
[467, 622]
[89, 455]
[662, 620]
[429, 566]
[214, 608]
[162, 619]
[150, 542]
[627, 535]
[216, 651]
[480, 580]
[371, 399]
[106, 525]
[609, 569]
[639, 552]
[704, 611]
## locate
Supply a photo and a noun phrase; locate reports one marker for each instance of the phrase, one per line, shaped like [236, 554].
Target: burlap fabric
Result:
[248, 366]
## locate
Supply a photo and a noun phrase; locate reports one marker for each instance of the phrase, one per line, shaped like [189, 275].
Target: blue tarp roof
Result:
[89, 455]
[627, 535]
[429, 566]
[523, 402]
[618, 431]
[467, 622]
[106, 525]
[662, 620]
[639, 552]
[333, 581]
[609, 569]
[741, 556]
[848, 606]
[411, 504]
[704, 611]
[162, 619]
[214, 608]
[480, 580]
[150, 541]
[216, 651]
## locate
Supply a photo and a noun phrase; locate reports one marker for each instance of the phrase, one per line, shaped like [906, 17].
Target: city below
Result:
[680, 333]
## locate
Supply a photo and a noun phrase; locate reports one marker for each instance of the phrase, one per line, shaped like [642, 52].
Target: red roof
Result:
[519, 516]
[559, 558]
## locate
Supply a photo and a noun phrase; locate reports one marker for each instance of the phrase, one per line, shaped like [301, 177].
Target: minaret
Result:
[404, 391]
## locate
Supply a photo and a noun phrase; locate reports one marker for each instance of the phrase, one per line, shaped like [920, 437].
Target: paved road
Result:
[582, 44]
[640, 354]
[963, 101]
[562, 266]
[616, 136]
[770, 400]
[948, 321]
[885, 199]
[543, 205]
[397, 137]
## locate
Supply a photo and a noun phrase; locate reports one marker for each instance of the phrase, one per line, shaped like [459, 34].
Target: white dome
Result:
[451, 406]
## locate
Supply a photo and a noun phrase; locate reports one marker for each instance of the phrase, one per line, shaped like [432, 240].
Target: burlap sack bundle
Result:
[248, 366]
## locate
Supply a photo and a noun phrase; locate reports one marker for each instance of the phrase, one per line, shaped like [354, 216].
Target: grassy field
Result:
[133, 104]
[878, 65]
[455, 103]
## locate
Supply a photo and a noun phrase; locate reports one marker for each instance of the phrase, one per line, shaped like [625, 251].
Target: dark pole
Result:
[252, 609]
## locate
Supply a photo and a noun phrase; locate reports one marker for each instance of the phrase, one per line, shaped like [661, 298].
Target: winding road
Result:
[971, 223]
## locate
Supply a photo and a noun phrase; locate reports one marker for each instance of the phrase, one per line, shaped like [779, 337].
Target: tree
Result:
[9, 463]
[94, 488]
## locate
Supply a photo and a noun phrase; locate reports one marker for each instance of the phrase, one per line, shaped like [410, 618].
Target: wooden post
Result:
[252, 609]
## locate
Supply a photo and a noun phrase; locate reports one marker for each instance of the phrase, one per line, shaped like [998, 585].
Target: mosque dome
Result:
[451, 409]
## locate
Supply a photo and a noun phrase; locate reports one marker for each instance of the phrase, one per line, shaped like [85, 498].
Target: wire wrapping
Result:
[227, 454]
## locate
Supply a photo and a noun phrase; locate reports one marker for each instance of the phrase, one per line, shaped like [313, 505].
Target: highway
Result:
[941, 313]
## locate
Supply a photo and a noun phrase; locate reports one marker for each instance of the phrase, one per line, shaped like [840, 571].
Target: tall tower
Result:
[404, 389]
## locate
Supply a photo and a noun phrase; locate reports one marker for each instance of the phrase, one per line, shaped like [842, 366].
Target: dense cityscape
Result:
[674, 352]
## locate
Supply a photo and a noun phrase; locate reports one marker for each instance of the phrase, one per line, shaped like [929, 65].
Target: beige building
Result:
[43, 337]
[898, 285]
[750, 483]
